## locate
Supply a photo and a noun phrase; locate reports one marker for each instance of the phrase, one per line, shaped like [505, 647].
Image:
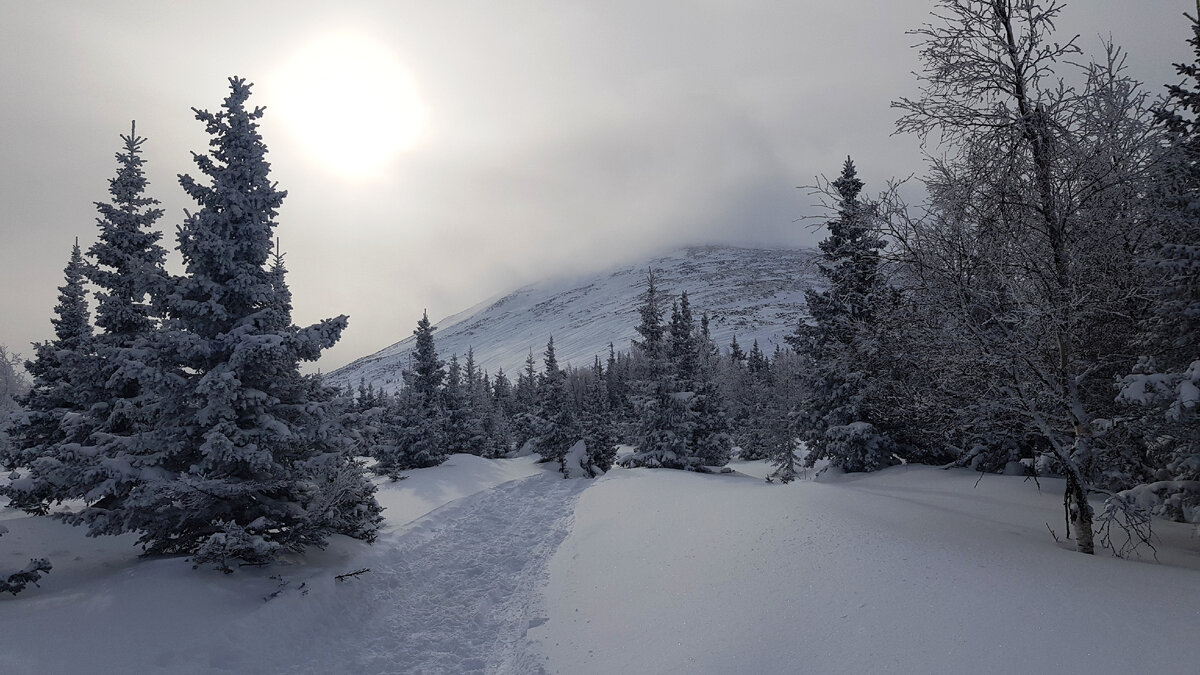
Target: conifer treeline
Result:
[674, 397]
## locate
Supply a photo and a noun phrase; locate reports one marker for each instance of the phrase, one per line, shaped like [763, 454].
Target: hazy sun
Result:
[351, 102]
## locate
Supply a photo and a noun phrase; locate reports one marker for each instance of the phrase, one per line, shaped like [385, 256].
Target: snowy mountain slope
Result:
[755, 294]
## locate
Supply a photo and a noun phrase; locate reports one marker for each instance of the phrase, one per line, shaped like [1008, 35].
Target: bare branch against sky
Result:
[513, 140]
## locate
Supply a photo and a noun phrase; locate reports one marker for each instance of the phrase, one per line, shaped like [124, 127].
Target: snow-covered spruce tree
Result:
[751, 401]
[780, 414]
[427, 373]
[839, 423]
[705, 420]
[526, 424]
[364, 417]
[128, 267]
[757, 362]
[413, 436]
[487, 427]
[1043, 183]
[682, 422]
[598, 426]
[502, 392]
[476, 402]
[499, 423]
[13, 384]
[127, 270]
[1166, 379]
[682, 343]
[248, 458]
[460, 429]
[497, 432]
[711, 442]
[659, 415]
[55, 426]
[736, 355]
[494, 432]
[560, 427]
[616, 383]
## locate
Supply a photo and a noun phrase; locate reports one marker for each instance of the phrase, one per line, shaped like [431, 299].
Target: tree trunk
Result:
[1081, 515]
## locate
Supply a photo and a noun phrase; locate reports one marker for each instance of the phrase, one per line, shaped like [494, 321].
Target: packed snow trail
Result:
[453, 592]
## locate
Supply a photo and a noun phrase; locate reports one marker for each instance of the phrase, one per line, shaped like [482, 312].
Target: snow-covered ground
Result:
[453, 578]
[500, 566]
[911, 570]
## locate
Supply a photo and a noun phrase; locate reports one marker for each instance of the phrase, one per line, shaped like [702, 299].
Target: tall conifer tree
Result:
[55, 426]
[839, 423]
[246, 458]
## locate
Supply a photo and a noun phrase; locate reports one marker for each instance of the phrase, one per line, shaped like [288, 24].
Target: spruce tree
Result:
[415, 436]
[659, 415]
[426, 375]
[1166, 379]
[55, 427]
[527, 425]
[128, 271]
[502, 392]
[684, 353]
[682, 421]
[246, 456]
[651, 327]
[778, 415]
[598, 425]
[109, 386]
[460, 428]
[560, 430]
[756, 361]
[128, 266]
[711, 442]
[13, 384]
[838, 423]
[616, 384]
[736, 355]
[704, 421]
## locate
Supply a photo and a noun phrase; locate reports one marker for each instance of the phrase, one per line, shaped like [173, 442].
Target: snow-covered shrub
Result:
[15, 582]
[858, 446]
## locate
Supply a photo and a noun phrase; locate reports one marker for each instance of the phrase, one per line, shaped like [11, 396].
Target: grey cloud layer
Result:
[563, 136]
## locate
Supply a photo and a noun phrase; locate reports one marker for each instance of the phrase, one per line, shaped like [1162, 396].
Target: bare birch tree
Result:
[1029, 248]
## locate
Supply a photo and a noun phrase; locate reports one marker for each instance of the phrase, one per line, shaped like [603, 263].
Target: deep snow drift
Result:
[502, 567]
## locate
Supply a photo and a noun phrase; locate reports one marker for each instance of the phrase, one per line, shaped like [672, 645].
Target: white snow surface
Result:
[501, 566]
[755, 294]
[910, 570]
[452, 588]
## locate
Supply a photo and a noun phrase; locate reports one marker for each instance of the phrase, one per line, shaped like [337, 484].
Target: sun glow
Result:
[351, 102]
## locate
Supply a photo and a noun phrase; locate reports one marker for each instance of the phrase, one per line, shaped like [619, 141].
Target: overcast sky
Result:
[534, 138]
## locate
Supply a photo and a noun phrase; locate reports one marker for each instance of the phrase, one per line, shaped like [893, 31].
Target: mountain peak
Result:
[753, 293]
